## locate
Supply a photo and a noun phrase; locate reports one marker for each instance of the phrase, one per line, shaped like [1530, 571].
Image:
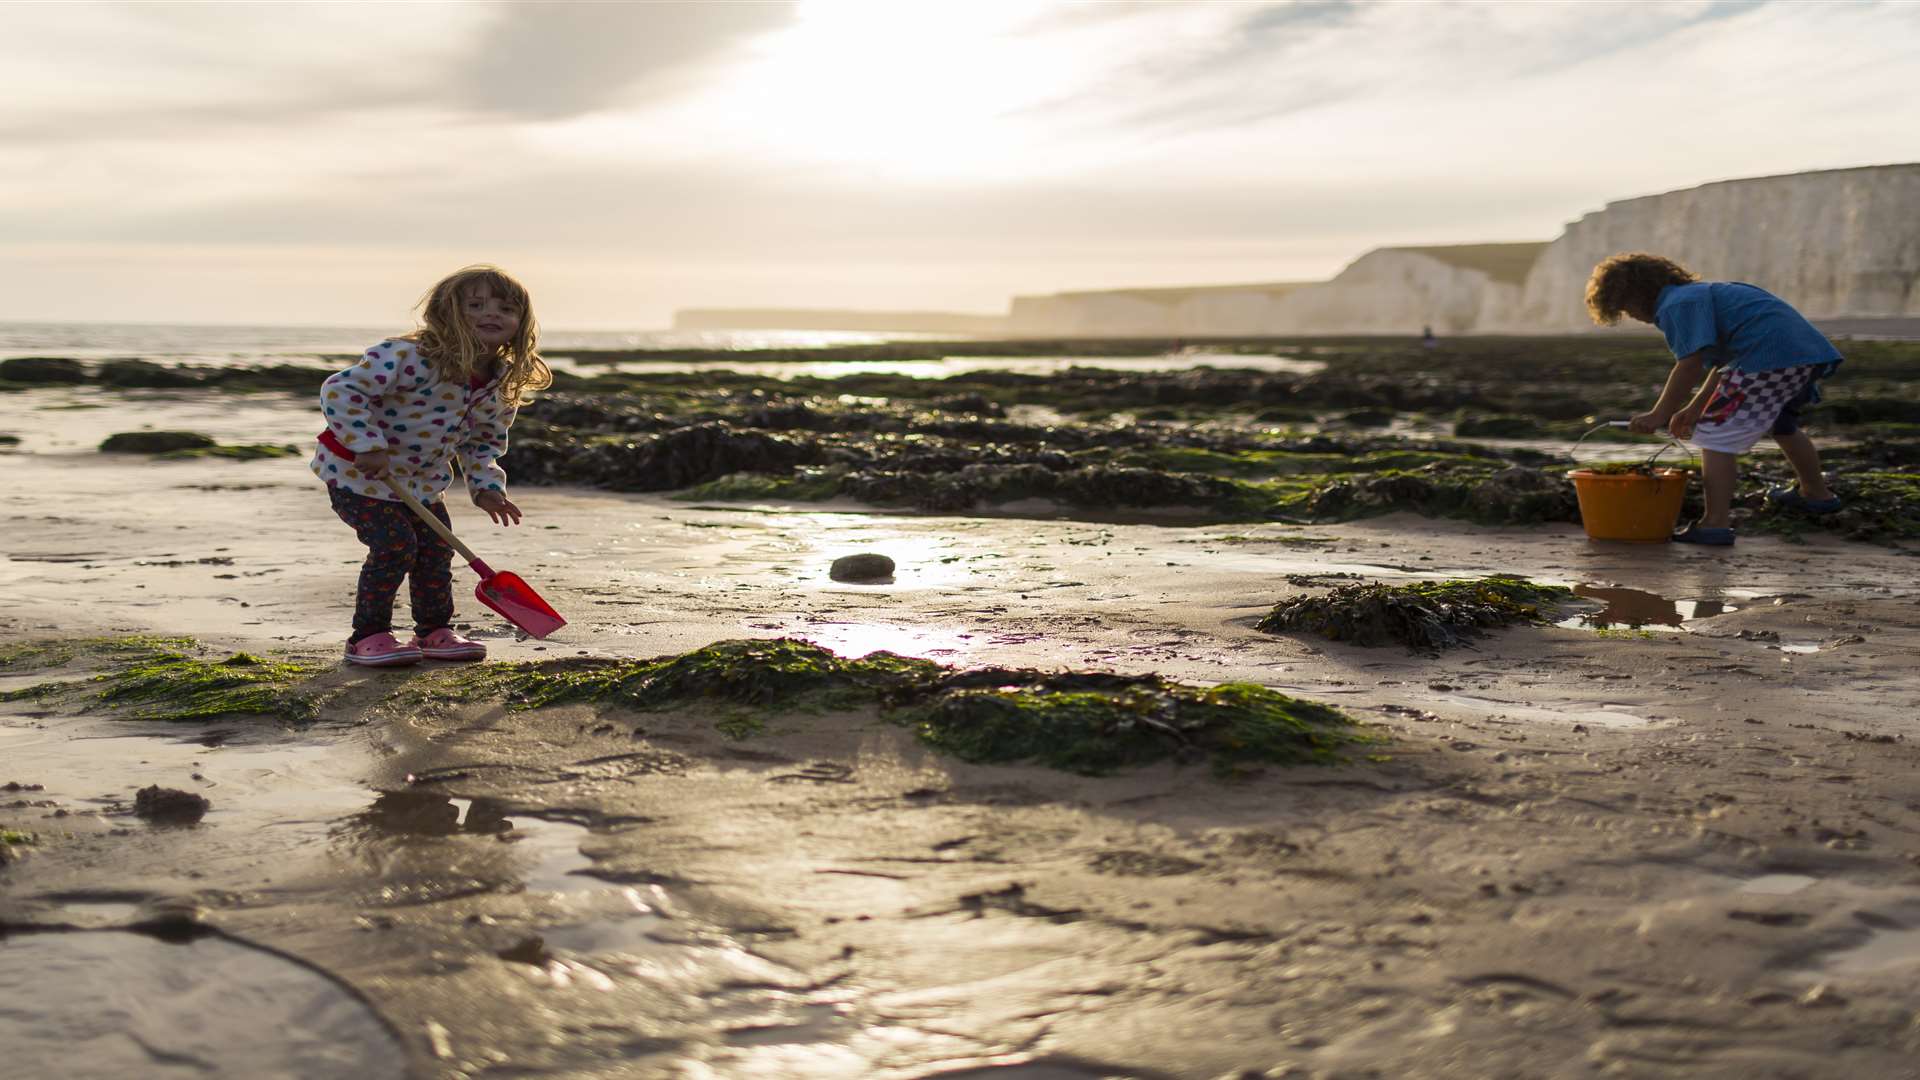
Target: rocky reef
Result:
[1373, 433]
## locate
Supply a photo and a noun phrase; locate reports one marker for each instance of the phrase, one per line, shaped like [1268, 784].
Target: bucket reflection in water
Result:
[1638, 609]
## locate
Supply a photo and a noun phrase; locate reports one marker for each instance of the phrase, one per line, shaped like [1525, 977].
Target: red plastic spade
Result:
[501, 590]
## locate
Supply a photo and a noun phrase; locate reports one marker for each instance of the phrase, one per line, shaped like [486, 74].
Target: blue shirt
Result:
[1741, 327]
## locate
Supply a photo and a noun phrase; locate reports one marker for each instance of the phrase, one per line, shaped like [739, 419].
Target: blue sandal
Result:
[1697, 533]
[1788, 497]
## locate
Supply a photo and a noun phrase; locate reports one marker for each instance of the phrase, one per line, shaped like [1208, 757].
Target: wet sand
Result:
[1686, 852]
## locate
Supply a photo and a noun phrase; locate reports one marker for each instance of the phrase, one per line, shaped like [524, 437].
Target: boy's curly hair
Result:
[1629, 282]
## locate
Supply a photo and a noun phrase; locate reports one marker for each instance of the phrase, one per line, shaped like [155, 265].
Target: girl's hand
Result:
[1645, 423]
[498, 507]
[371, 463]
[1682, 424]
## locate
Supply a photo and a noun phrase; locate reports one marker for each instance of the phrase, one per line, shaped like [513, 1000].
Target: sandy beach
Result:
[1685, 851]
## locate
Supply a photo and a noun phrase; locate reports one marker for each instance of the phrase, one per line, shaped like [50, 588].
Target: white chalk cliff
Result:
[1838, 244]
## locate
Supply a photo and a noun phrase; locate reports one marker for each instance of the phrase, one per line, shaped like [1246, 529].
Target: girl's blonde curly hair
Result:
[1630, 284]
[448, 343]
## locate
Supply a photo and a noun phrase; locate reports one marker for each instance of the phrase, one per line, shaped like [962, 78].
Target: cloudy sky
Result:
[320, 164]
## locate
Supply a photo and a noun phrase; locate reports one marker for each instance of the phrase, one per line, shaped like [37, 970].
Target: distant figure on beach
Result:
[1766, 362]
[399, 417]
[1427, 340]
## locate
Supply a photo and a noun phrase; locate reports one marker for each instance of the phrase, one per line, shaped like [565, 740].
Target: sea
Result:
[222, 345]
[248, 346]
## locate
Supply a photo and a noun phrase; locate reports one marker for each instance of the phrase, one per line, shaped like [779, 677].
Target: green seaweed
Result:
[1874, 506]
[158, 678]
[1233, 725]
[1086, 722]
[1426, 615]
[1621, 468]
[1272, 463]
[36, 692]
[50, 653]
[10, 841]
[178, 687]
[240, 452]
[1623, 632]
[759, 671]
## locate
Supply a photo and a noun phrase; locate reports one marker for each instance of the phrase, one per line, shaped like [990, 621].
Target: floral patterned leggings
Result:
[399, 545]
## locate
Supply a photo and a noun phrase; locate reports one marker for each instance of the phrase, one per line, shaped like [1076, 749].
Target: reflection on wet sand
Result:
[1638, 609]
[108, 1003]
[414, 813]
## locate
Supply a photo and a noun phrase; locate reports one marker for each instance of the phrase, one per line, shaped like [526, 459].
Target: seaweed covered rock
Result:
[13, 844]
[1515, 495]
[155, 442]
[44, 370]
[236, 452]
[1373, 495]
[170, 806]
[1368, 418]
[1086, 722]
[1522, 496]
[169, 685]
[756, 671]
[146, 373]
[674, 459]
[1499, 427]
[1881, 507]
[1101, 487]
[975, 404]
[1424, 616]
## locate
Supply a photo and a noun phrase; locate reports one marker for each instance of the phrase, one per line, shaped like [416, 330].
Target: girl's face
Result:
[493, 319]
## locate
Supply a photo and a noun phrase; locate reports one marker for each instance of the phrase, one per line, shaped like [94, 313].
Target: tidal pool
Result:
[113, 1004]
[1638, 609]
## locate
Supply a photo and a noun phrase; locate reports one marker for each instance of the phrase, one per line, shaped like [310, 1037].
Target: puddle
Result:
[97, 912]
[622, 921]
[1608, 716]
[543, 855]
[1776, 884]
[272, 794]
[1802, 648]
[860, 639]
[110, 1003]
[1885, 950]
[1637, 609]
[1032, 1070]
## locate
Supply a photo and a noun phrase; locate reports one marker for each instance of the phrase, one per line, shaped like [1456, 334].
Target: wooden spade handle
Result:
[426, 515]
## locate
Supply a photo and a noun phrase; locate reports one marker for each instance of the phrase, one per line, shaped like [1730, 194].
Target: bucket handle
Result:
[1651, 458]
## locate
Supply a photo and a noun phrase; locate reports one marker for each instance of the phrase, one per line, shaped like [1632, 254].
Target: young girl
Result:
[399, 416]
[1766, 360]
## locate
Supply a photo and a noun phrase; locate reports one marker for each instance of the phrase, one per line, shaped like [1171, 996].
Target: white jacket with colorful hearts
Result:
[392, 400]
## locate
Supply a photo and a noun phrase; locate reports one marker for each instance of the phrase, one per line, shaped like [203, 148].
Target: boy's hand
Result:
[1646, 423]
[1682, 424]
[498, 507]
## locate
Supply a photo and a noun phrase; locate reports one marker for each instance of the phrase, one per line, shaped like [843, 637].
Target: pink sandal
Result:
[382, 650]
[444, 644]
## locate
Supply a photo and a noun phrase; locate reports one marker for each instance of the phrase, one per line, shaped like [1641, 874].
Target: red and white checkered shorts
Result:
[1749, 404]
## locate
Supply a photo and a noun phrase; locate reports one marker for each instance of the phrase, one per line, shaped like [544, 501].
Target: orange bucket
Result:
[1630, 506]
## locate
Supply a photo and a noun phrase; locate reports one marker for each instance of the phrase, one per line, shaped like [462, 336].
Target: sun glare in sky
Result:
[211, 162]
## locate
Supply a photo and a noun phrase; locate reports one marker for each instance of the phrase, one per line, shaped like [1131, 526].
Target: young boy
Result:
[1766, 360]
